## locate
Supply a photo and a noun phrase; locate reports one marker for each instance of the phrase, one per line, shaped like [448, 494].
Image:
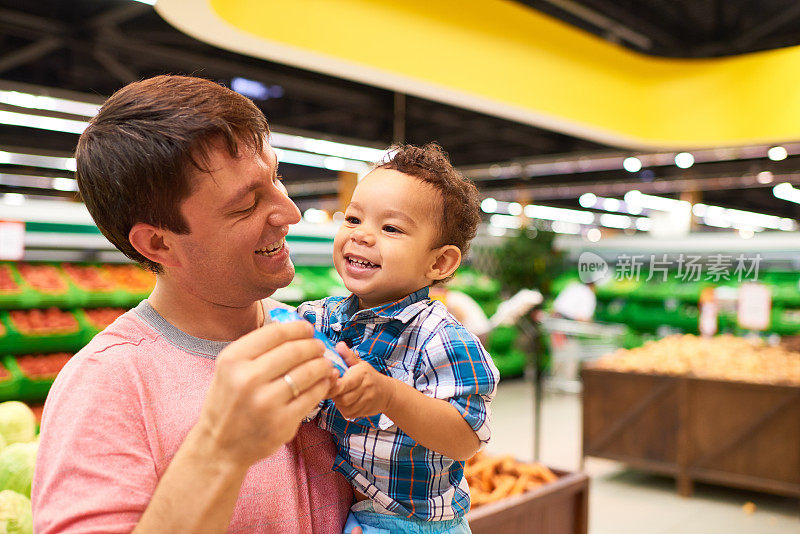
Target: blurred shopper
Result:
[576, 301]
[465, 310]
[164, 423]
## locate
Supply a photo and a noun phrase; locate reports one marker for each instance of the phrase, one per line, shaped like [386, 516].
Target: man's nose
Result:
[284, 212]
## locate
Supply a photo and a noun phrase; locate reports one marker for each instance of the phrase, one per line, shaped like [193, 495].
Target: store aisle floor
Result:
[624, 501]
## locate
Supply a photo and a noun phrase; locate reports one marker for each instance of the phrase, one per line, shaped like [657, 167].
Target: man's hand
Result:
[251, 409]
[361, 391]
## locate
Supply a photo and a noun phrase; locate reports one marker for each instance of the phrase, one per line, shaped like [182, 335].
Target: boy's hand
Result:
[361, 391]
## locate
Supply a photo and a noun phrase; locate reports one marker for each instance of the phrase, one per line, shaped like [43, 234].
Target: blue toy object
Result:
[282, 315]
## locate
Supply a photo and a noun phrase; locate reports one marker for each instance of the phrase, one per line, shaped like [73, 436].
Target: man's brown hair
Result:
[135, 158]
[459, 208]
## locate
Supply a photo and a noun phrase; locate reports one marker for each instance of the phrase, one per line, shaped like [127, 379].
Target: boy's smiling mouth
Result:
[359, 262]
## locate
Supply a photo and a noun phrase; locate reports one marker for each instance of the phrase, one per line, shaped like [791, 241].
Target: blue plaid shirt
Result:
[417, 341]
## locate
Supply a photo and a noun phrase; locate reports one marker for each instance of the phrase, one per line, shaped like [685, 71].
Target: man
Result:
[161, 424]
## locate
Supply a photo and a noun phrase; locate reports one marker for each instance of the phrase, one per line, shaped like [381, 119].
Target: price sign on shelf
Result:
[12, 240]
[754, 307]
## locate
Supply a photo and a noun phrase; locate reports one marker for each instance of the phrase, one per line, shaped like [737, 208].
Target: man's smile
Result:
[272, 248]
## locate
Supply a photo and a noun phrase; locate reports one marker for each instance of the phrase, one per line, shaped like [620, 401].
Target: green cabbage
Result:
[17, 422]
[16, 467]
[15, 513]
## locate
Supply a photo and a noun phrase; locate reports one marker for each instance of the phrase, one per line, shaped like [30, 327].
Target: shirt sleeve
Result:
[455, 367]
[309, 312]
[94, 469]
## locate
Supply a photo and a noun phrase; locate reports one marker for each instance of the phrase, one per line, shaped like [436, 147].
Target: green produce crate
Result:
[9, 388]
[613, 289]
[649, 317]
[686, 317]
[616, 311]
[99, 299]
[633, 339]
[655, 289]
[29, 389]
[116, 297]
[12, 298]
[785, 321]
[27, 297]
[69, 298]
[88, 328]
[14, 342]
[785, 287]
[88, 297]
[688, 291]
[728, 322]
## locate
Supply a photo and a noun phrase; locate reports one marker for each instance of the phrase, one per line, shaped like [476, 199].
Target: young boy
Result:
[414, 402]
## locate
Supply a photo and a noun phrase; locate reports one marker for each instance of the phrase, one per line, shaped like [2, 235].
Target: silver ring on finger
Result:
[292, 385]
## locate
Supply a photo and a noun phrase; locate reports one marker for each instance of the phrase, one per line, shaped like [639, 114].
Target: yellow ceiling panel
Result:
[504, 59]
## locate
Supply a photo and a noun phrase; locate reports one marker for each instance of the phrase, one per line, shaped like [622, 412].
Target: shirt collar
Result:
[402, 310]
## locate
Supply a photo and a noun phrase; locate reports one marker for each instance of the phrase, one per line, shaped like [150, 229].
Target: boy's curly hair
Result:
[460, 211]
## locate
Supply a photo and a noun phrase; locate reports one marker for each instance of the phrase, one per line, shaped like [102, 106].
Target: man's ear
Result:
[446, 260]
[150, 242]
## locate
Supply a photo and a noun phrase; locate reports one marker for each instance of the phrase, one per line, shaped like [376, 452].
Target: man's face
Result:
[238, 216]
[384, 247]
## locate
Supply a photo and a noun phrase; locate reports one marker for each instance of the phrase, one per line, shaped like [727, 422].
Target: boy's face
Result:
[385, 246]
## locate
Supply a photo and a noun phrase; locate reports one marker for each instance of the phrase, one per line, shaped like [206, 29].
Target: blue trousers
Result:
[372, 522]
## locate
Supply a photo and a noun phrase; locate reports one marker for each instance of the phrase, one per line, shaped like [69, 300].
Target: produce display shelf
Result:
[13, 341]
[70, 292]
[738, 434]
[10, 385]
[560, 507]
[29, 389]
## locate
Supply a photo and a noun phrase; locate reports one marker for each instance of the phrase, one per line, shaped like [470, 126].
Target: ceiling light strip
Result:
[611, 189]
[35, 160]
[46, 103]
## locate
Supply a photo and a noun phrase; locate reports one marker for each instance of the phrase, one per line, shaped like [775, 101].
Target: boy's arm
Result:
[449, 420]
[433, 423]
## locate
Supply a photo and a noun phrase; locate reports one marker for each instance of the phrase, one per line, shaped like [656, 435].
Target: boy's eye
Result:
[352, 220]
[391, 229]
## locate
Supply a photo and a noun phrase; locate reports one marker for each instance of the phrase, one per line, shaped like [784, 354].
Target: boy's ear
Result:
[446, 260]
[152, 243]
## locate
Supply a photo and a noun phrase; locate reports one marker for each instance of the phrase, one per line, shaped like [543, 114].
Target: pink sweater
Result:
[117, 414]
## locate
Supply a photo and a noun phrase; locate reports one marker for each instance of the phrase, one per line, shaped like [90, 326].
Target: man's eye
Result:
[278, 178]
[391, 229]
[248, 210]
[352, 220]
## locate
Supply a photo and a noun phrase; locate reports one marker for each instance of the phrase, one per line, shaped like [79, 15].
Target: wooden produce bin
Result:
[736, 434]
[560, 507]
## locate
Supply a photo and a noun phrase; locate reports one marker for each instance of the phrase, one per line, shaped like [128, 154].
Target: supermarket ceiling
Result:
[92, 47]
[683, 28]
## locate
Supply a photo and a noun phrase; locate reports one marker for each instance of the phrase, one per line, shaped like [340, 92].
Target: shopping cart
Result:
[572, 343]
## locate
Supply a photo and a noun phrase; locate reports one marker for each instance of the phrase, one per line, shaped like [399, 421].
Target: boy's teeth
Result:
[272, 248]
[361, 262]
